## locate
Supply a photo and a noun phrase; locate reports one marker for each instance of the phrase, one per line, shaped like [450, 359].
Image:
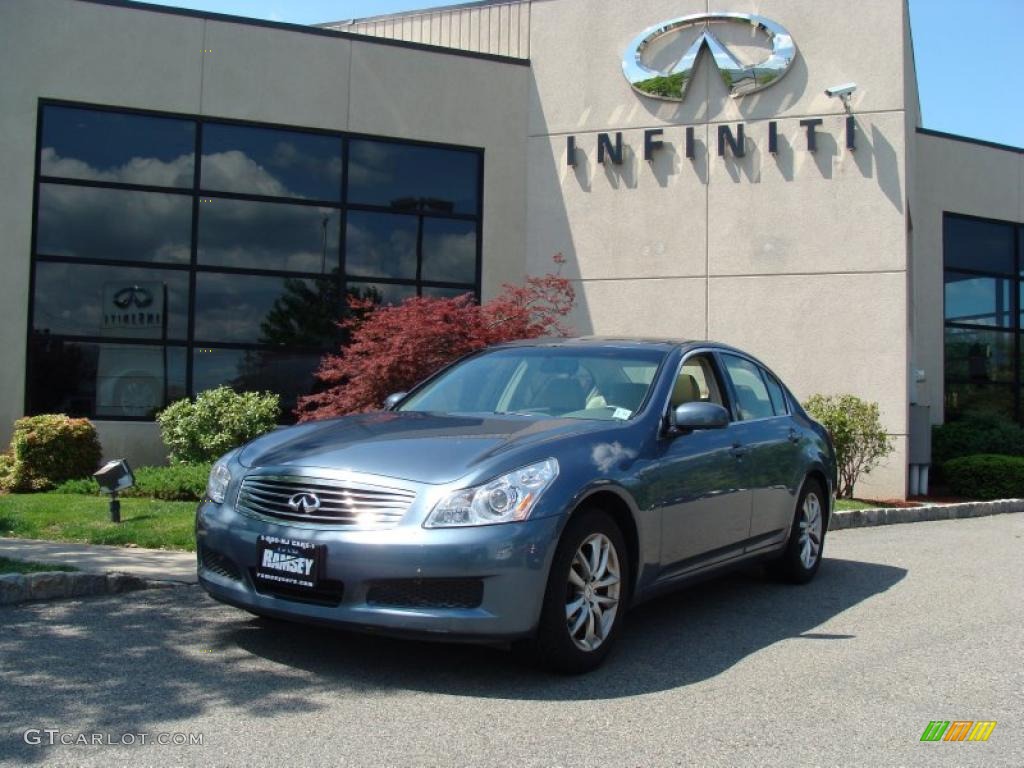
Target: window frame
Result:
[197, 193]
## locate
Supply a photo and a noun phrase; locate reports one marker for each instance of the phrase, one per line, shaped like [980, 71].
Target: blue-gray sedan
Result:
[530, 493]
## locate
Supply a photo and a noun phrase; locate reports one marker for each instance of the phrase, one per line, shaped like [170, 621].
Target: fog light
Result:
[115, 476]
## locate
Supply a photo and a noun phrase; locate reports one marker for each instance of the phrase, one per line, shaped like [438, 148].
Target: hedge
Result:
[47, 450]
[986, 476]
[178, 482]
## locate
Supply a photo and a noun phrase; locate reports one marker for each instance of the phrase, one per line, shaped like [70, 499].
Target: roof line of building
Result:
[422, 11]
[970, 140]
[305, 30]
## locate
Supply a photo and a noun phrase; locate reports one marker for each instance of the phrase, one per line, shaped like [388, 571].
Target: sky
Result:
[965, 52]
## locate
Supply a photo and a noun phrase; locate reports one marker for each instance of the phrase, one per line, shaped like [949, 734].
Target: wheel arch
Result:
[615, 502]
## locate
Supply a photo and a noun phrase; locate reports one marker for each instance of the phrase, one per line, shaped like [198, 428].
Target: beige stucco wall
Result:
[149, 60]
[799, 258]
[957, 177]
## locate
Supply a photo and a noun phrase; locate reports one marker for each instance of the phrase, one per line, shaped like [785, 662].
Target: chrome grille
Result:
[341, 502]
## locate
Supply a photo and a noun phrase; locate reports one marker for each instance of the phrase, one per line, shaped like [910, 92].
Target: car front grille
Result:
[426, 593]
[323, 501]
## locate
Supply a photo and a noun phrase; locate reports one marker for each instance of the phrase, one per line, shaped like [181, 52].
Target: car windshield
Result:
[585, 383]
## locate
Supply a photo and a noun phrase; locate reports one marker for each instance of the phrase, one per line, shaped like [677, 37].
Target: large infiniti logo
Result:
[134, 295]
[306, 503]
[671, 83]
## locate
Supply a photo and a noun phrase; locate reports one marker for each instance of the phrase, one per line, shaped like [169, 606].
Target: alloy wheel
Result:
[593, 591]
[810, 530]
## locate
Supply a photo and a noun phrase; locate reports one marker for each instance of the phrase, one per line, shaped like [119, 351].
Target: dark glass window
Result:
[117, 147]
[983, 311]
[382, 293]
[257, 235]
[103, 380]
[158, 274]
[985, 246]
[380, 245]
[271, 162]
[94, 223]
[289, 374]
[111, 302]
[413, 178]
[266, 310]
[449, 251]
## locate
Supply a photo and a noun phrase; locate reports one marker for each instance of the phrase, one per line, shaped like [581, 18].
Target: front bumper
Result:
[511, 561]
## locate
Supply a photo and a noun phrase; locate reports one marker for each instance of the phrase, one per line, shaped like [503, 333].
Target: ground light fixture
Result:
[115, 476]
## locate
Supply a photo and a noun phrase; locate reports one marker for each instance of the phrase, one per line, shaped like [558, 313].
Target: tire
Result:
[799, 561]
[555, 646]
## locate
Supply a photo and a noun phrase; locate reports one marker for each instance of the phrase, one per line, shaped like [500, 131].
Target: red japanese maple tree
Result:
[391, 348]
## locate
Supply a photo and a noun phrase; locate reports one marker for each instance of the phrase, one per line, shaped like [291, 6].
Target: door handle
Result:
[739, 451]
[794, 436]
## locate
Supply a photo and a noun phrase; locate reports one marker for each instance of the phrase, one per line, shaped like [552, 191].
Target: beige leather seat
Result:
[685, 390]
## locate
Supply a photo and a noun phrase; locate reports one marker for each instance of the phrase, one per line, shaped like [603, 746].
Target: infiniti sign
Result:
[740, 79]
[304, 502]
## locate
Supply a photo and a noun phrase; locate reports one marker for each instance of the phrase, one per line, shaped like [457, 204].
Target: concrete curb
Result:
[54, 585]
[862, 518]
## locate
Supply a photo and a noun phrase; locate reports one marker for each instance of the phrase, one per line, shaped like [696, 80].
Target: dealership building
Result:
[189, 197]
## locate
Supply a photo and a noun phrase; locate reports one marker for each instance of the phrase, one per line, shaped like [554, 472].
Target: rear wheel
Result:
[586, 596]
[802, 556]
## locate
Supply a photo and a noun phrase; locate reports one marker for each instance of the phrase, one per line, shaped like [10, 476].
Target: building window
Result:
[176, 254]
[984, 320]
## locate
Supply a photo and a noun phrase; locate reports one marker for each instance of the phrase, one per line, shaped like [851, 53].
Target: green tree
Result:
[860, 440]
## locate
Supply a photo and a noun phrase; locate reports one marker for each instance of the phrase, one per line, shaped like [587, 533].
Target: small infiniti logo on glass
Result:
[304, 502]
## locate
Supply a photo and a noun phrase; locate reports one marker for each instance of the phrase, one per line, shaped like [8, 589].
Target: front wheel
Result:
[587, 590]
[802, 556]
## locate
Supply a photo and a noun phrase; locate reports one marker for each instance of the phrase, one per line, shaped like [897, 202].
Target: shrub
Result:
[47, 450]
[178, 482]
[392, 348]
[976, 435]
[857, 433]
[218, 420]
[986, 476]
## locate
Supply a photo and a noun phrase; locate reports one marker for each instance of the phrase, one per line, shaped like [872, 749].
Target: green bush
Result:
[986, 476]
[218, 420]
[47, 450]
[178, 482]
[973, 436]
[860, 440]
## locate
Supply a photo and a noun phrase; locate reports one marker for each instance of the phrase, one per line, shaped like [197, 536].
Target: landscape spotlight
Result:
[115, 476]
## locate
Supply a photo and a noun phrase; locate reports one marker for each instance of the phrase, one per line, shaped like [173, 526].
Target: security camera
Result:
[841, 91]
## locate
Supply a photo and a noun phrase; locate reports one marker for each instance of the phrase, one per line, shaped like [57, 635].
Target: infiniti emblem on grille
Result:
[305, 502]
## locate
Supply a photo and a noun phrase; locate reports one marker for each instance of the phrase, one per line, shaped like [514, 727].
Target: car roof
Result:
[622, 342]
[625, 342]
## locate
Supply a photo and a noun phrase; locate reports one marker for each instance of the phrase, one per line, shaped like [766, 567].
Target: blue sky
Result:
[966, 50]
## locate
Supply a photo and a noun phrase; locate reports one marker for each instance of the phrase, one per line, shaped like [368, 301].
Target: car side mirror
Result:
[698, 415]
[393, 400]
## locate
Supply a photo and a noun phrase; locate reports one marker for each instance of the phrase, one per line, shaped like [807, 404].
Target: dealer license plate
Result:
[288, 562]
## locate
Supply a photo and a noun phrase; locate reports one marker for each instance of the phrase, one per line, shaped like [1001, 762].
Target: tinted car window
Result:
[776, 394]
[752, 399]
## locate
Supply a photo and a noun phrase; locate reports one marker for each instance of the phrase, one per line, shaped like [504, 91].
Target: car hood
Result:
[420, 447]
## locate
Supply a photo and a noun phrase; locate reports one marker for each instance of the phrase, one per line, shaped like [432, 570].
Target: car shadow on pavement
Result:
[682, 638]
[132, 663]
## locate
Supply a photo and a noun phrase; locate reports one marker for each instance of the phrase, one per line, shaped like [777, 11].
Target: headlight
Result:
[506, 499]
[220, 477]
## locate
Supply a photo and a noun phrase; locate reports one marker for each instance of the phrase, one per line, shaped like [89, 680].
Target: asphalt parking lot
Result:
[905, 624]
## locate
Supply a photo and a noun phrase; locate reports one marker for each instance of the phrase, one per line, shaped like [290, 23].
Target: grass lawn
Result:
[23, 566]
[86, 519]
[858, 504]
